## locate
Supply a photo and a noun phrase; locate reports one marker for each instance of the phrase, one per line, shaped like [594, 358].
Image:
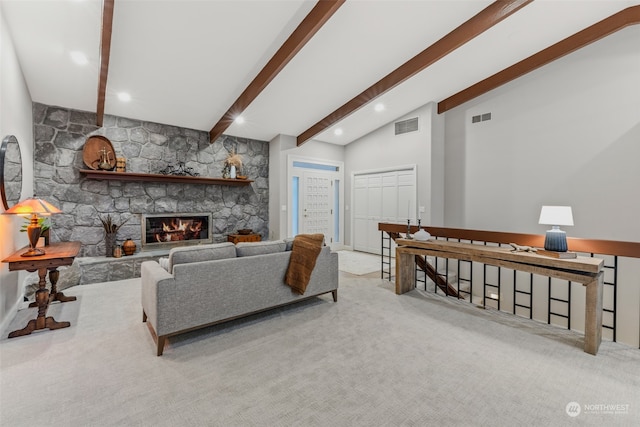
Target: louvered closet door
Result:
[374, 212]
[360, 220]
[316, 209]
[381, 197]
[367, 212]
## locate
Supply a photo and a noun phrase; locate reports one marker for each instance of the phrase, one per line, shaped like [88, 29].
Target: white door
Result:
[317, 204]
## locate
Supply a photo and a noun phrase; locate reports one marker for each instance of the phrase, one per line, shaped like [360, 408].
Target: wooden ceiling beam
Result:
[319, 15]
[487, 18]
[105, 50]
[597, 31]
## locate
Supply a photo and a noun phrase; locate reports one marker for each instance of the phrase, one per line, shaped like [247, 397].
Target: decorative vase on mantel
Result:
[129, 247]
[109, 243]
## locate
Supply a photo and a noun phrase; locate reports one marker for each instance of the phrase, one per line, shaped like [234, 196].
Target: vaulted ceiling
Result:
[292, 67]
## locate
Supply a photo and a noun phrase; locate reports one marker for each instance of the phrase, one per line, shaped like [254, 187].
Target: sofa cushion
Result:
[201, 253]
[260, 248]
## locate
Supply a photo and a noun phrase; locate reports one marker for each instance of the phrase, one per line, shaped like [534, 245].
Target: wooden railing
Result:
[593, 246]
[609, 249]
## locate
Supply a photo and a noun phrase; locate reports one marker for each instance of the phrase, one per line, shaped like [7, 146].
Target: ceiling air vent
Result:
[406, 126]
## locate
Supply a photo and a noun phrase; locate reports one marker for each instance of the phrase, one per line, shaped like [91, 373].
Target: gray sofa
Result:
[203, 285]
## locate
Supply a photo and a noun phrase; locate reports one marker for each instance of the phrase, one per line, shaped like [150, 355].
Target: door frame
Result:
[297, 171]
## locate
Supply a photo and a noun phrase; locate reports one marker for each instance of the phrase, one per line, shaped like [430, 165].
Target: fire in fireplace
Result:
[176, 229]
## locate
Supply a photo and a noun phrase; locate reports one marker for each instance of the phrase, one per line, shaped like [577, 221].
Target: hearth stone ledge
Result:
[109, 269]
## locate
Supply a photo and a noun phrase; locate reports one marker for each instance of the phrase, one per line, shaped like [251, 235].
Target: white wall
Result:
[425, 148]
[567, 134]
[379, 149]
[279, 148]
[15, 119]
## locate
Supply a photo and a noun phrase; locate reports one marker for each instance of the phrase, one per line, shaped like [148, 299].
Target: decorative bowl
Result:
[245, 231]
[241, 177]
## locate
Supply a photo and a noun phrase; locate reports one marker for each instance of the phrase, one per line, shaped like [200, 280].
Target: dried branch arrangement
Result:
[109, 225]
[234, 159]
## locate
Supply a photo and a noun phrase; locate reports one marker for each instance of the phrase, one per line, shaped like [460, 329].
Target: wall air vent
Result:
[481, 118]
[406, 126]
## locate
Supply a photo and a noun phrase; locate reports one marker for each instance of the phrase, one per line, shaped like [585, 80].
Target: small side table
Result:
[57, 254]
[236, 238]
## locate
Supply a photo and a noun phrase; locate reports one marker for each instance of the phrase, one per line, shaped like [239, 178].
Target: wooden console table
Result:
[56, 255]
[585, 270]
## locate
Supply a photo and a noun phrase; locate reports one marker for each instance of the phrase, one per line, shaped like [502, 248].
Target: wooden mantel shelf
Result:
[155, 177]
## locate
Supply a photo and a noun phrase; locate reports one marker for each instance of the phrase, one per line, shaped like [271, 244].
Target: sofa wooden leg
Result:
[335, 295]
[144, 316]
[161, 341]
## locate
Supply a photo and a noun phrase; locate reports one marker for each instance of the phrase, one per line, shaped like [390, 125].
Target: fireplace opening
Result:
[175, 229]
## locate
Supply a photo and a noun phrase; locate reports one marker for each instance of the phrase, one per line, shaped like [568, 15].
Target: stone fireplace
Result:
[60, 134]
[161, 231]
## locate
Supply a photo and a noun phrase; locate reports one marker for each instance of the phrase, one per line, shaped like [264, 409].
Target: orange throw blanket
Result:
[304, 253]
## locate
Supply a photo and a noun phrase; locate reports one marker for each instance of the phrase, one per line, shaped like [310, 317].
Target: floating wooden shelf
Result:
[155, 177]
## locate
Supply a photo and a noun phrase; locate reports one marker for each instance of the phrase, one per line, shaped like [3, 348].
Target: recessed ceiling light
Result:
[79, 57]
[124, 97]
[379, 107]
[337, 132]
[239, 120]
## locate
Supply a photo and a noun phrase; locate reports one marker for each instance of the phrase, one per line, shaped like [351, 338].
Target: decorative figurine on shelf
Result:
[105, 160]
[179, 169]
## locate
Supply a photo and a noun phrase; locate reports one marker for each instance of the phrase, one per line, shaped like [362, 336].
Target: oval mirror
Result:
[10, 171]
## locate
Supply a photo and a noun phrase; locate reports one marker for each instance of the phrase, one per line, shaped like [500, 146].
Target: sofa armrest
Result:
[156, 286]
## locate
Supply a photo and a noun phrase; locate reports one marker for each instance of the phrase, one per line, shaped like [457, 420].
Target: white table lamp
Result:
[556, 239]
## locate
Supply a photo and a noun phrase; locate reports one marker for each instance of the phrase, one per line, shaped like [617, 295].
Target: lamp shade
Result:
[556, 215]
[33, 205]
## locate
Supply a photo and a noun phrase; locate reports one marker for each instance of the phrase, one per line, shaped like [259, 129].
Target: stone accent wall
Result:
[60, 135]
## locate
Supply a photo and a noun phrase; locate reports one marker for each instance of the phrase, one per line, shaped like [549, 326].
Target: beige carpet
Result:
[358, 263]
[372, 359]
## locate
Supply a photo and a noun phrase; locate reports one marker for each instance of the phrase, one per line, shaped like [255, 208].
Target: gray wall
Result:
[383, 149]
[60, 135]
[280, 148]
[565, 134]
